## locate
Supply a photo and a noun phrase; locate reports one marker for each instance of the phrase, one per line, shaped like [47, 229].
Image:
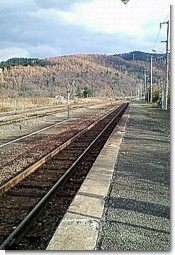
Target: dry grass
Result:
[15, 104]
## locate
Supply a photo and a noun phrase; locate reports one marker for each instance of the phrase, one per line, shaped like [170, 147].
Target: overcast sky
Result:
[46, 28]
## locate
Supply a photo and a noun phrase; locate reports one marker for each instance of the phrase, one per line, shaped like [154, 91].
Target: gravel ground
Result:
[137, 209]
[17, 156]
[31, 125]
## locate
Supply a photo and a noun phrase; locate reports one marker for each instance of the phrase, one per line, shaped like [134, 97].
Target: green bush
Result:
[87, 92]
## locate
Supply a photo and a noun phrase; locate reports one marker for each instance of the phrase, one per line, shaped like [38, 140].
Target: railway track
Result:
[40, 196]
[32, 134]
[23, 115]
[10, 118]
[21, 148]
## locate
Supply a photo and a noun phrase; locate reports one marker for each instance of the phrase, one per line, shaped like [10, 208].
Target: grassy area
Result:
[15, 104]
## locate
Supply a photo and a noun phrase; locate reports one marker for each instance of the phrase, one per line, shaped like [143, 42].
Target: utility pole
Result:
[68, 101]
[151, 82]
[162, 94]
[165, 91]
[145, 86]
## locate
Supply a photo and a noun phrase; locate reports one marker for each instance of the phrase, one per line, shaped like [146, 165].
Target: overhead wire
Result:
[153, 48]
[156, 39]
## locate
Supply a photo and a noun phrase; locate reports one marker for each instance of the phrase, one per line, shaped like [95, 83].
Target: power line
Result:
[156, 38]
[159, 32]
[166, 17]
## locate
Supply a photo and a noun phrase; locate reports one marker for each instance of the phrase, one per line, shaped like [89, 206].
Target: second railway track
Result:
[41, 199]
[21, 148]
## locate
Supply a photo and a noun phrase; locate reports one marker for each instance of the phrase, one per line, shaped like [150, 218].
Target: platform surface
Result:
[124, 203]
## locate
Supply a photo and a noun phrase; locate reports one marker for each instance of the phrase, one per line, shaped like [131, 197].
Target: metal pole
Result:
[167, 69]
[68, 101]
[145, 83]
[163, 99]
[165, 92]
[151, 86]
[148, 95]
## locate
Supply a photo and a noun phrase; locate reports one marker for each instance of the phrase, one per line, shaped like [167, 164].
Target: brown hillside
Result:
[105, 75]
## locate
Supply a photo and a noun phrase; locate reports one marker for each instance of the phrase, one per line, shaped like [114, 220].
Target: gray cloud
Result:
[36, 28]
[60, 4]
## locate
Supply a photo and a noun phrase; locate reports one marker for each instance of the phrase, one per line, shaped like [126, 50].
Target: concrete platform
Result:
[80, 226]
[137, 211]
[124, 203]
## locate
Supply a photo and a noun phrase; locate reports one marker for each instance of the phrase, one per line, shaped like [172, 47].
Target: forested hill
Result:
[22, 62]
[106, 75]
[134, 55]
[138, 55]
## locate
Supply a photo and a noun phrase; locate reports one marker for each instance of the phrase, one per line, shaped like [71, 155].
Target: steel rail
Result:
[28, 117]
[28, 110]
[15, 180]
[37, 115]
[33, 115]
[24, 226]
[34, 133]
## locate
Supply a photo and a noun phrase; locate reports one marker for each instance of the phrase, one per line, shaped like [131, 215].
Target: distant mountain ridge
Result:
[134, 55]
[106, 75]
[139, 55]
